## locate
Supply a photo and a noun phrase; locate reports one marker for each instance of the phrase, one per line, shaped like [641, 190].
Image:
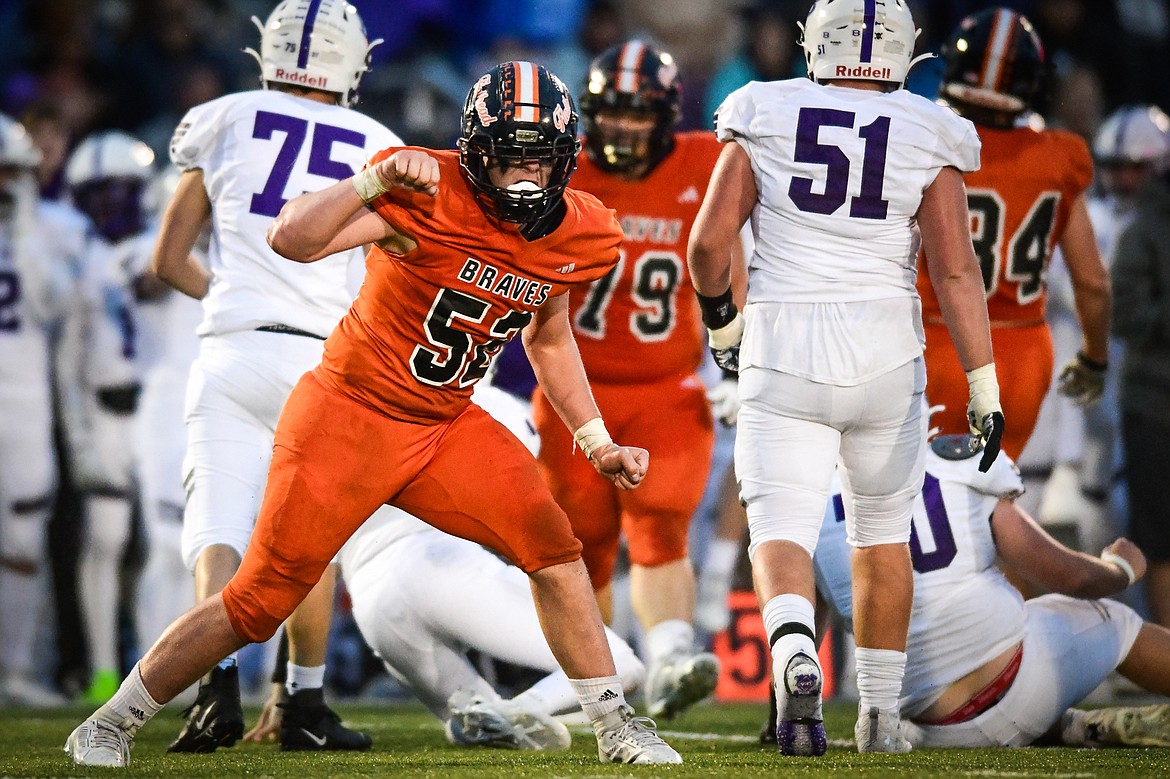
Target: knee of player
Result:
[884, 520]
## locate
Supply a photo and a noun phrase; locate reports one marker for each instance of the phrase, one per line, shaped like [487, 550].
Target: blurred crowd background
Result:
[72, 67]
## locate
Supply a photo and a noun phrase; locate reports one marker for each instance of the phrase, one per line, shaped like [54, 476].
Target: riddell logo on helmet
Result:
[862, 71]
[300, 78]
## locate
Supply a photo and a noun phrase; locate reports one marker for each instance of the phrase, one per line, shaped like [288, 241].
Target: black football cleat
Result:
[308, 724]
[216, 718]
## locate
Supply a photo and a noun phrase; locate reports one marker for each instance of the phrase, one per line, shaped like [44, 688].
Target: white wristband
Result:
[1120, 562]
[727, 336]
[591, 436]
[367, 185]
[983, 380]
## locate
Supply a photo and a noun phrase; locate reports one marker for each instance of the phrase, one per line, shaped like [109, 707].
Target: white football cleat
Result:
[99, 743]
[1129, 726]
[880, 731]
[800, 727]
[624, 738]
[504, 724]
[679, 682]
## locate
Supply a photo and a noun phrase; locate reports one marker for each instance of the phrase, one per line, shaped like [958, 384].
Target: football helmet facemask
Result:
[107, 176]
[515, 114]
[314, 44]
[994, 65]
[867, 40]
[631, 79]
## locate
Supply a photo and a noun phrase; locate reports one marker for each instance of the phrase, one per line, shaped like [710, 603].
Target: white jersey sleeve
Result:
[257, 150]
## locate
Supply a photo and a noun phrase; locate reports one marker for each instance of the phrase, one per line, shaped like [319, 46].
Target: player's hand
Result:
[724, 344]
[410, 169]
[1082, 380]
[984, 414]
[625, 466]
[1128, 551]
[268, 726]
[724, 400]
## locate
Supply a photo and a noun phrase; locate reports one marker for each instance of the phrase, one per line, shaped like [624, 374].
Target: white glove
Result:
[724, 400]
[1082, 380]
[724, 343]
[984, 413]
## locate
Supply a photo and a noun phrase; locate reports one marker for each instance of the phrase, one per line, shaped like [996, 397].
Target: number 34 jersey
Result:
[640, 322]
[965, 611]
[257, 150]
[1019, 202]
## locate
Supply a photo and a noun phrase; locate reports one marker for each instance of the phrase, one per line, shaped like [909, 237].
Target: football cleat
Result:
[504, 724]
[880, 731]
[679, 682]
[624, 738]
[800, 727]
[309, 725]
[1133, 726]
[216, 718]
[98, 743]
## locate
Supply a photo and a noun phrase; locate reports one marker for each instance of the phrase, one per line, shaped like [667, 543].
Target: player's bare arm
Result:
[714, 247]
[1026, 549]
[1090, 279]
[551, 349]
[334, 219]
[184, 219]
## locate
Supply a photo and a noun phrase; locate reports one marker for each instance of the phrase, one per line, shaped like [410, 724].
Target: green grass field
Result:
[715, 740]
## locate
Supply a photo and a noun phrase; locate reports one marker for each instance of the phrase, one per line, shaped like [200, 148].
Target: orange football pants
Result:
[670, 419]
[335, 461]
[1023, 365]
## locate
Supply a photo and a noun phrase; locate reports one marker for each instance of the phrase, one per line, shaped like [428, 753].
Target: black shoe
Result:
[308, 724]
[216, 719]
[768, 732]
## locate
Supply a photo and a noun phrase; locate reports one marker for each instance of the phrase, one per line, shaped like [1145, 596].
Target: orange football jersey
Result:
[426, 325]
[640, 322]
[1019, 201]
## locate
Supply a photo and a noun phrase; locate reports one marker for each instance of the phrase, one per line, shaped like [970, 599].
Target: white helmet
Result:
[1138, 134]
[107, 175]
[315, 44]
[868, 40]
[16, 147]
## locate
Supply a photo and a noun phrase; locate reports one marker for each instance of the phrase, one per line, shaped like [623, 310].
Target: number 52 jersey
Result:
[257, 151]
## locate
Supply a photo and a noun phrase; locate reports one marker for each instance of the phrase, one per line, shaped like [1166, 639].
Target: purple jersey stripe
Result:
[867, 33]
[307, 33]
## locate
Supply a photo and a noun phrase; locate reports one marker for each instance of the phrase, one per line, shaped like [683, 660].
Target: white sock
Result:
[107, 528]
[784, 609]
[551, 695]
[599, 696]
[20, 614]
[669, 637]
[302, 677]
[722, 555]
[879, 678]
[131, 707]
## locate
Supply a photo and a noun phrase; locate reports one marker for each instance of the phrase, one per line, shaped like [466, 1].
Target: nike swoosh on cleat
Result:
[202, 721]
[318, 740]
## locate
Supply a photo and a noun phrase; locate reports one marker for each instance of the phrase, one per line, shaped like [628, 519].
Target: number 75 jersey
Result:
[840, 175]
[1019, 202]
[257, 151]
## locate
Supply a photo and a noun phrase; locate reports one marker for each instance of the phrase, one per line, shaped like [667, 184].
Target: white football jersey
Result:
[840, 174]
[257, 150]
[167, 324]
[36, 286]
[965, 611]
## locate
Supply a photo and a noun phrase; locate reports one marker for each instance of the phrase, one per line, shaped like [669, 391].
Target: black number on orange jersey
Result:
[1027, 250]
[437, 368]
[657, 275]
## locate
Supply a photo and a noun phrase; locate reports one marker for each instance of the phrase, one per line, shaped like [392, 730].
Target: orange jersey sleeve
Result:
[426, 325]
[1019, 202]
[640, 322]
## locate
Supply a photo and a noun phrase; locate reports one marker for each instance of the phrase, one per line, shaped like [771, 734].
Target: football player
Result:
[641, 343]
[40, 244]
[264, 323]
[471, 248]
[840, 175]
[421, 598]
[985, 667]
[1027, 197]
[106, 177]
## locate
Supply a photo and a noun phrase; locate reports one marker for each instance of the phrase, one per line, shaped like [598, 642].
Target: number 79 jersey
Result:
[1019, 202]
[840, 174]
[258, 150]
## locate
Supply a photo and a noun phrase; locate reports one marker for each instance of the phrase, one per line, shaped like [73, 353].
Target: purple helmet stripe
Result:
[867, 34]
[307, 34]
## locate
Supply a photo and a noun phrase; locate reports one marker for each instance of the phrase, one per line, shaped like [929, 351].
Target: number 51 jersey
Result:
[257, 150]
[840, 174]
